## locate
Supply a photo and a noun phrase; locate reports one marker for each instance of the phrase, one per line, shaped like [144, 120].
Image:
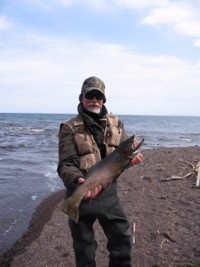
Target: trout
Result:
[102, 173]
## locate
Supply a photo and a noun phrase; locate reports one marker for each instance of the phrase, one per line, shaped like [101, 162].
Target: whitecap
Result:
[186, 139]
[53, 183]
[50, 174]
[35, 130]
[10, 228]
[34, 197]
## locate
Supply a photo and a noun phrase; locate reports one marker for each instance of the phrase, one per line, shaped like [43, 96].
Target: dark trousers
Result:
[115, 225]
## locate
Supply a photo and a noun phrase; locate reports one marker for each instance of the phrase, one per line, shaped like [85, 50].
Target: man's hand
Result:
[137, 159]
[90, 194]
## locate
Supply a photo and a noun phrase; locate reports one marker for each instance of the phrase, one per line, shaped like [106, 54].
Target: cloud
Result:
[47, 76]
[5, 24]
[135, 4]
[50, 4]
[66, 2]
[167, 15]
[44, 73]
[197, 43]
[181, 17]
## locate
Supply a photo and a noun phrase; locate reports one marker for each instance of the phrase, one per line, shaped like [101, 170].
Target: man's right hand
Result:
[93, 193]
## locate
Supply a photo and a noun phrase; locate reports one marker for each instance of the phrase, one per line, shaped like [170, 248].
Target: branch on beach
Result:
[133, 233]
[169, 237]
[198, 174]
[195, 171]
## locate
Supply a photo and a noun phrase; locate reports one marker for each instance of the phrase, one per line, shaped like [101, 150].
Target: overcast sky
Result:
[146, 51]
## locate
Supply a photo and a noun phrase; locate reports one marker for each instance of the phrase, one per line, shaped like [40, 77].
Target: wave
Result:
[34, 197]
[6, 232]
[35, 130]
[13, 147]
[184, 139]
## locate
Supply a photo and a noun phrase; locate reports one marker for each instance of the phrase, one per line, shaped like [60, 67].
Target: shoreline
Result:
[43, 212]
[48, 236]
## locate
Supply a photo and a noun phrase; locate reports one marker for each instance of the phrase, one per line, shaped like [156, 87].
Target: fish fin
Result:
[70, 208]
[108, 186]
[90, 201]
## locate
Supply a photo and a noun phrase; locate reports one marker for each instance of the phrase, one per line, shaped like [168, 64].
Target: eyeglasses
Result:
[91, 95]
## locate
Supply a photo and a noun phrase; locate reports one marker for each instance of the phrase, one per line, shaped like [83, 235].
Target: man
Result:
[83, 141]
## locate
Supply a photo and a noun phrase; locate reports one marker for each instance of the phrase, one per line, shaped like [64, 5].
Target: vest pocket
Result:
[87, 161]
[114, 136]
[110, 149]
[84, 143]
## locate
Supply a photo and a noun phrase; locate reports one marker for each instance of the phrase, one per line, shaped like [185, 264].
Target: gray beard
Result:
[94, 110]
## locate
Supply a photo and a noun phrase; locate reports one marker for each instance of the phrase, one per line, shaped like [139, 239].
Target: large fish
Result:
[102, 173]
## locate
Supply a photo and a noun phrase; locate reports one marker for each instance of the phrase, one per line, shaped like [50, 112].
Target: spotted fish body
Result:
[102, 173]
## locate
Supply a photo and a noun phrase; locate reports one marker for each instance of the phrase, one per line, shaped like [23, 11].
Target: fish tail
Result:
[71, 208]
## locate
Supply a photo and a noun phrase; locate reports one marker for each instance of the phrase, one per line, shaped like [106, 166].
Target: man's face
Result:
[93, 101]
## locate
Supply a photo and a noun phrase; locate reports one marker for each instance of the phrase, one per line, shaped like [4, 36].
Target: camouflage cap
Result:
[93, 83]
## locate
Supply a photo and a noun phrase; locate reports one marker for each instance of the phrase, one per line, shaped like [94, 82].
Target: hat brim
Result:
[93, 89]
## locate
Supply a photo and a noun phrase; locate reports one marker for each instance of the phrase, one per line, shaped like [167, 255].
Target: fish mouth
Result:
[136, 146]
[135, 152]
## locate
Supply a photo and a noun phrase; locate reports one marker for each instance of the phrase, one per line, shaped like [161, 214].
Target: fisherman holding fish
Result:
[85, 142]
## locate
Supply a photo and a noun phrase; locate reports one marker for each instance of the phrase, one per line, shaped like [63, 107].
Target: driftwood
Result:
[133, 233]
[195, 171]
[169, 237]
[198, 175]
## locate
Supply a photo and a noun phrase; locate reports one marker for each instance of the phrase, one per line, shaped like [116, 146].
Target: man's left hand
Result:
[90, 194]
[137, 159]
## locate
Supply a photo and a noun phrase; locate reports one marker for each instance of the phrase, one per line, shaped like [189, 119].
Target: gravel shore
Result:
[165, 216]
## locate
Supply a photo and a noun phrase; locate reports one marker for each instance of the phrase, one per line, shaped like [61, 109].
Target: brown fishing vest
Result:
[85, 143]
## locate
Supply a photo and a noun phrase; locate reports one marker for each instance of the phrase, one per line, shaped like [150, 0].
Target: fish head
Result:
[131, 147]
